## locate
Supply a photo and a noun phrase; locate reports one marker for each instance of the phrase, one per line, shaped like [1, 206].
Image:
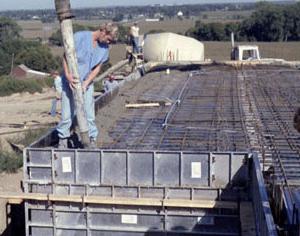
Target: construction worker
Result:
[92, 50]
[110, 83]
[58, 90]
[57, 84]
[134, 37]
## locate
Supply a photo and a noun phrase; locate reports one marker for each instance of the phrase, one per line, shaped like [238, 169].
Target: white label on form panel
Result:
[66, 164]
[196, 169]
[129, 219]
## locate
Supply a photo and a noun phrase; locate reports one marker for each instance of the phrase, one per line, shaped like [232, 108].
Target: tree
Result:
[292, 22]
[9, 29]
[13, 46]
[269, 22]
[211, 31]
[38, 58]
[123, 34]
[265, 24]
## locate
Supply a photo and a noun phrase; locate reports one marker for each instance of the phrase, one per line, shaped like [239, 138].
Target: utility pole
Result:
[65, 16]
[12, 63]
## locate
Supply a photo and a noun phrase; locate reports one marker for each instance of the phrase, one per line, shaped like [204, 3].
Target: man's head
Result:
[54, 73]
[108, 33]
[111, 77]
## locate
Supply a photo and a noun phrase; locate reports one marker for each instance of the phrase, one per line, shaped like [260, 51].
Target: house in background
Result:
[23, 72]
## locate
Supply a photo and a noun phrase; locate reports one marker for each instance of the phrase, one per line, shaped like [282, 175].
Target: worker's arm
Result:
[91, 77]
[69, 76]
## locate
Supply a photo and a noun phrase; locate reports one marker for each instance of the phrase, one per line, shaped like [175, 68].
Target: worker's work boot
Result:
[63, 143]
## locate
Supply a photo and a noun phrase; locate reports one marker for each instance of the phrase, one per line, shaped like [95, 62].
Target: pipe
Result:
[64, 15]
[232, 40]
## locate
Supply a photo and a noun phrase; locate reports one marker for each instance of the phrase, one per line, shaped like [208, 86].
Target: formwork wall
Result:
[139, 175]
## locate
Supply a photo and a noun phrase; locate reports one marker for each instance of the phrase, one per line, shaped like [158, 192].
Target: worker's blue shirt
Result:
[88, 57]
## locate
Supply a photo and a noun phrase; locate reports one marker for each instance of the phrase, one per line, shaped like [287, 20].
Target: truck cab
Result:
[245, 53]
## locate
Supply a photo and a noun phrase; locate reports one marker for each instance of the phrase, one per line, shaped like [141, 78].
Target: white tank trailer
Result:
[172, 47]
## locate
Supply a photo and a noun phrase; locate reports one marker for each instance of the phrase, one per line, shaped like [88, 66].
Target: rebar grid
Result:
[209, 116]
[276, 96]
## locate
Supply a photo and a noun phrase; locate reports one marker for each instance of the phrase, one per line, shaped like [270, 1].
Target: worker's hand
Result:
[85, 85]
[72, 82]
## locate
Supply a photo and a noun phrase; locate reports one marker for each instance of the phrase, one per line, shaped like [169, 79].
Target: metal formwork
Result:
[72, 168]
[72, 219]
[225, 177]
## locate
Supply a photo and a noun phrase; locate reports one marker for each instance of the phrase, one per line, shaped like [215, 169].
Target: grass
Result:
[10, 86]
[10, 162]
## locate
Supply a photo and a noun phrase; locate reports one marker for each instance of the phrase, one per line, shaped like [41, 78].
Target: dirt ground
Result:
[18, 113]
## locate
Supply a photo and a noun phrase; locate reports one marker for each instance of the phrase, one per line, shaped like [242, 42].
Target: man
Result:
[57, 83]
[58, 89]
[92, 50]
[110, 83]
[134, 37]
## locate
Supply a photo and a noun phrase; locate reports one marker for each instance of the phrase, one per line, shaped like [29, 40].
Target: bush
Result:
[123, 34]
[9, 86]
[47, 82]
[10, 162]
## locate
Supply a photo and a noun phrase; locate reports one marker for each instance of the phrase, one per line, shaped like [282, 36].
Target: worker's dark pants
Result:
[135, 44]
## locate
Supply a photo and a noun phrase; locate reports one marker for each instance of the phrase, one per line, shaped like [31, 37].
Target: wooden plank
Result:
[18, 198]
[147, 104]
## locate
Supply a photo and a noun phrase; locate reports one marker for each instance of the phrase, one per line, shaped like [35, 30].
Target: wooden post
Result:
[63, 11]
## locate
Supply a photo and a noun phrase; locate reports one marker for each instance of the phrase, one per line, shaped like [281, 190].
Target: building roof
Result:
[30, 71]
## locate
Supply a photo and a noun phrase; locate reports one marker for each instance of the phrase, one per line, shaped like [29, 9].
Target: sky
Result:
[49, 4]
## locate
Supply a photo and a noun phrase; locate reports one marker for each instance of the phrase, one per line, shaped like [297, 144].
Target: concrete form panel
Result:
[113, 168]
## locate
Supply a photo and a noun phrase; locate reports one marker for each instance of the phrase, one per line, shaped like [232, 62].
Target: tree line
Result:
[269, 22]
